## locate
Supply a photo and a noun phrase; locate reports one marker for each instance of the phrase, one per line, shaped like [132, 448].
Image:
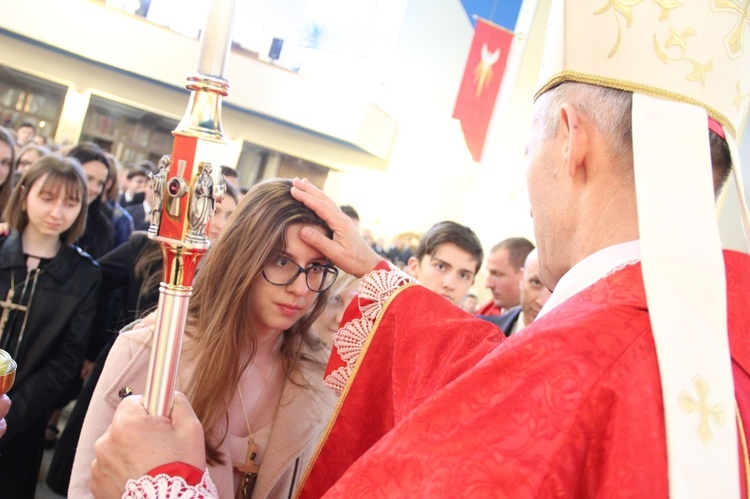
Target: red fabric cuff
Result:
[383, 265]
[189, 473]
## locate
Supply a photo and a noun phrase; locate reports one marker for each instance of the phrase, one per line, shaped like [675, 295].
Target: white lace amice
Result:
[169, 487]
[375, 289]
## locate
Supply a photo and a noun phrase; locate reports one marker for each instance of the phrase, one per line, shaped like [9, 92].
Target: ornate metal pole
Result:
[186, 189]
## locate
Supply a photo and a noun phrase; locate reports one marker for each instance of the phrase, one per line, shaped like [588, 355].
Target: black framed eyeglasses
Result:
[284, 271]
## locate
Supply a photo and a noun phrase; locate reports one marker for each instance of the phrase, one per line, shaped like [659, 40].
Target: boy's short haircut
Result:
[137, 171]
[450, 232]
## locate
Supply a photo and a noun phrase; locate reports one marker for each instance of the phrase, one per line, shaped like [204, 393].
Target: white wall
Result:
[332, 123]
[431, 176]
[430, 168]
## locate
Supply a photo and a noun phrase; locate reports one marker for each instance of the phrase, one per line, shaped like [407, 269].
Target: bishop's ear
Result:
[574, 130]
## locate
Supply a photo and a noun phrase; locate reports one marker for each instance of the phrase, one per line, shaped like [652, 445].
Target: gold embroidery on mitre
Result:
[483, 71]
[741, 100]
[734, 40]
[625, 9]
[707, 412]
[678, 39]
[666, 6]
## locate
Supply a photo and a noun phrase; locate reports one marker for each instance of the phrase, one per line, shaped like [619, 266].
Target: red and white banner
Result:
[481, 82]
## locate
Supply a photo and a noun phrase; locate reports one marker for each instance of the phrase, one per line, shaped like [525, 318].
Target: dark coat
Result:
[505, 321]
[118, 274]
[120, 300]
[52, 352]
[98, 237]
[138, 213]
[122, 223]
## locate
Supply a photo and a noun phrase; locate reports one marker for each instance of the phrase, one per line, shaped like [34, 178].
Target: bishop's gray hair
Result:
[609, 109]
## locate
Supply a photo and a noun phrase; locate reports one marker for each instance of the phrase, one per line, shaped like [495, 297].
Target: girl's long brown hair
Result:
[219, 320]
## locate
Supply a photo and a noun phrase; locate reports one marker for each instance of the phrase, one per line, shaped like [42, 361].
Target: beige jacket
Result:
[301, 418]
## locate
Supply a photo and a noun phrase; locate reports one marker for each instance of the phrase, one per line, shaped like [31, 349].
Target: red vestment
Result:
[570, 408]
[417, 353]
[488, 308]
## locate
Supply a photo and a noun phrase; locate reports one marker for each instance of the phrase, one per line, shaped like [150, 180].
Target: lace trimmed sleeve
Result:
[375, 289]
[163, 486]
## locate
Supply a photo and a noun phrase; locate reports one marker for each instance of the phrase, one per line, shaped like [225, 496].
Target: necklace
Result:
[8, 306]
[249, 468]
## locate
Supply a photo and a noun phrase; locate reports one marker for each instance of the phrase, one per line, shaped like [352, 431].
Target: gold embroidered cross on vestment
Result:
[734, 40]
[701, 406]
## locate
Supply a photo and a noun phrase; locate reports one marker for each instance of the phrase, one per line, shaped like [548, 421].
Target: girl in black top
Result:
[48, 289]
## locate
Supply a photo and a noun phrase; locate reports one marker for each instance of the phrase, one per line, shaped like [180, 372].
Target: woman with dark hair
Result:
[7, 165]
[98, 237]
[122, 222]
[50, 290]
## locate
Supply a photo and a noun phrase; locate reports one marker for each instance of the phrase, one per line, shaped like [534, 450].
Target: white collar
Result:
[591, 269]
[520, 323]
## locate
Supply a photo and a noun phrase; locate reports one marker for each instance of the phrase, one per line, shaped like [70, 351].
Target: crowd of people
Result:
[69, 211]
[316, 364]
[125, 266]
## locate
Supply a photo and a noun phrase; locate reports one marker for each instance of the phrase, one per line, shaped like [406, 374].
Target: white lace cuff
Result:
[169, 487]
[375, 289]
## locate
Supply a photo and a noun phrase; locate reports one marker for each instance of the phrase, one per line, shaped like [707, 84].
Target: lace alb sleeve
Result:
[164, 486]
[375, 289]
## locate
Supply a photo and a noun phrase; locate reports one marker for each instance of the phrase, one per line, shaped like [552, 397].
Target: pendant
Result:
[247, 485]
[248, 469]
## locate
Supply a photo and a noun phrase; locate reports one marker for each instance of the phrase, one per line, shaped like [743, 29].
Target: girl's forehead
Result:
[295, 247]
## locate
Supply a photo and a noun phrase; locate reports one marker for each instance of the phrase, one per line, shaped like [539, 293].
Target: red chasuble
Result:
[570, 408]
[418, 347]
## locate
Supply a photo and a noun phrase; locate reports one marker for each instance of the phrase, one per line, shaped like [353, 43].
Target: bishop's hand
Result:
[137, 442]
[347, 250]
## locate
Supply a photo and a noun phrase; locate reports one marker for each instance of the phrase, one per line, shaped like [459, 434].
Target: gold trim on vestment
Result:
[345, 391]
[745, 458]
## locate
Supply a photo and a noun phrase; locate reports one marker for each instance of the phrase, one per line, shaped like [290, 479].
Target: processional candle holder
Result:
[7, 372]
[186, 188]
